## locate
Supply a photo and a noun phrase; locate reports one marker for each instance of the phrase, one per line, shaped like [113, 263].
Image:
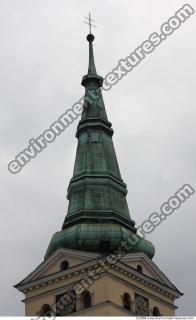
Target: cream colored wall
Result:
[116, 290]
[35, 305]
[55, 267]
[134, 264]
[99, 290]
[98, 311]
[104, 310]
[164, 310]
[104, 289]
[142, 286]
[64, 283]
[110, 287]
[114, 312]
[45, 294]
[75, 278]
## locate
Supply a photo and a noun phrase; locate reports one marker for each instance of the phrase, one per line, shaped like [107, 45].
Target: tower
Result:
[97, 265]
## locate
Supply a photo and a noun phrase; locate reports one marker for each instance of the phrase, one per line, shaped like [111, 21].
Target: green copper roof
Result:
[98, 209]
[96, 191]
[89, 237]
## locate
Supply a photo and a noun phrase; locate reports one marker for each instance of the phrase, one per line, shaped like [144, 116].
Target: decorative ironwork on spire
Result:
[92, 72]
[89, 21]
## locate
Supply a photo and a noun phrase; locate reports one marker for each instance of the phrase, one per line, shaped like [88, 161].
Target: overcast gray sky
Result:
[43, 56]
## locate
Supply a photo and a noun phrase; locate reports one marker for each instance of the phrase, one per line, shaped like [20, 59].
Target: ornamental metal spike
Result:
[90, 21]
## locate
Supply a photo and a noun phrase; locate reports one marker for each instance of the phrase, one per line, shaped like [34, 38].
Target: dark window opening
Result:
[139, 268]
[86, 299]
[156, 312]
[64, 265]
[104, 246]
[45, 310]
[126, 301]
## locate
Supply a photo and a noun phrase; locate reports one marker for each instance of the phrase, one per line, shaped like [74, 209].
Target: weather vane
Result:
[89, 21]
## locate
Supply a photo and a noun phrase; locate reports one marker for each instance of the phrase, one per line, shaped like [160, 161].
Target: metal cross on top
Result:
[89, 21]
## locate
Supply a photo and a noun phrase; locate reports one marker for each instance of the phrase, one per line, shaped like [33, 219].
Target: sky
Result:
[43, 56]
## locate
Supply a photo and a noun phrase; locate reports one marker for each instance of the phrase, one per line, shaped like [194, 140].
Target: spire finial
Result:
[89, 21]
[92, 73]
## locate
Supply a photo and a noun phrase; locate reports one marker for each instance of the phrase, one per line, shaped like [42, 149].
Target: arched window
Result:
[126, 301]
[86, 299]
[64, 265]
[46, 310]
[156, 312]
[139, 268]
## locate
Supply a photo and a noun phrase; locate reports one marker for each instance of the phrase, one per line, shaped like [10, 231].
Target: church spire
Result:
[98, 217]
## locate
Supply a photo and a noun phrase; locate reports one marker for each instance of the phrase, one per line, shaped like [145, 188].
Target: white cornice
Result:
[82, 268]
[61, 251]
[136, 288]
[151, 265]
[142, 291]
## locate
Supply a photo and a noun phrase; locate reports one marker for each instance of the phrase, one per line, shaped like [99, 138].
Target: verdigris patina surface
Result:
[98, 217]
